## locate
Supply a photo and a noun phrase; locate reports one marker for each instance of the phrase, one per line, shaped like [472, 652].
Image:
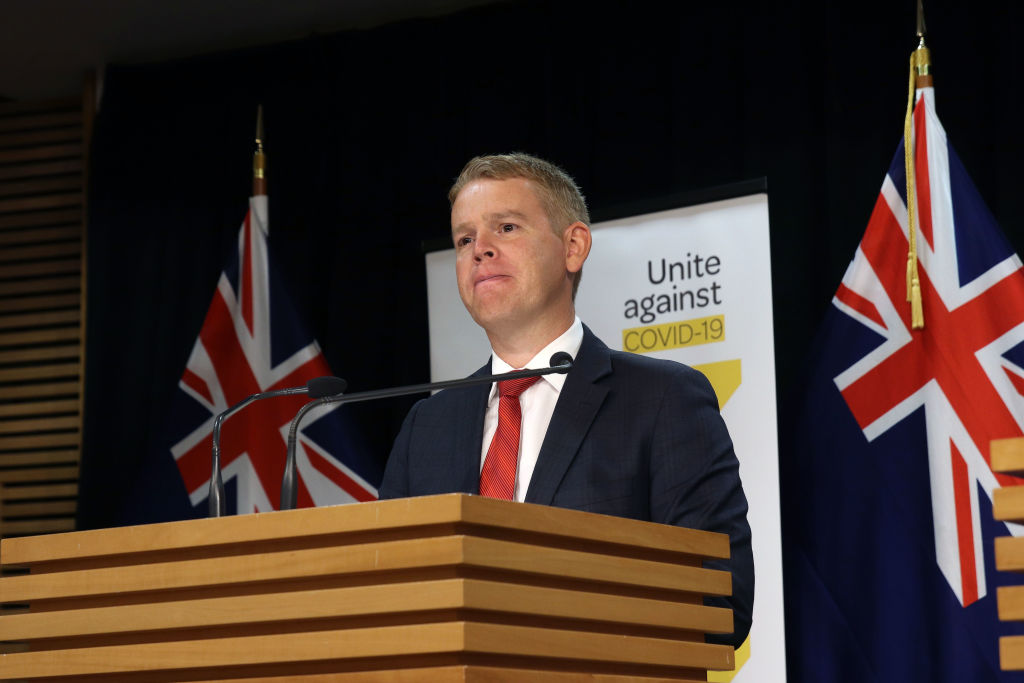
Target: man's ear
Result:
[576, 238]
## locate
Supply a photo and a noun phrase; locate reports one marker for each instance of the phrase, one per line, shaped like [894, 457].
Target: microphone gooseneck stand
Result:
[317, 387]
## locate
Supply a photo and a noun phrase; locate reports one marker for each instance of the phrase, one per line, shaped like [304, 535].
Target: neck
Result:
[518, 344]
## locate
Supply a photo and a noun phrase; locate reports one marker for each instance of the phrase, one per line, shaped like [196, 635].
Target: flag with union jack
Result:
[251, 341]
[890, 569]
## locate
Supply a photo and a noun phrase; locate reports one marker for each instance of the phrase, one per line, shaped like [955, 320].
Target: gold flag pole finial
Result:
[920, 77]
[922, 59]
[259, 159]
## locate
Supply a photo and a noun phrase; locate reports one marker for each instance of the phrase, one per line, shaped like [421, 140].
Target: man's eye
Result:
[507, 227]
[462, 241]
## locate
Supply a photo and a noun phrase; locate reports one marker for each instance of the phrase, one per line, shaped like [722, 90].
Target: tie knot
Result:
[514, 387]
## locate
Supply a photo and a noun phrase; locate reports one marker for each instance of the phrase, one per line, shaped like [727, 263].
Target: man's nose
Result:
[483, 248]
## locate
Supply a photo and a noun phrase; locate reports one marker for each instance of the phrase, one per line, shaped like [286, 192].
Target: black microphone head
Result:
[561, 359]
[319, 387]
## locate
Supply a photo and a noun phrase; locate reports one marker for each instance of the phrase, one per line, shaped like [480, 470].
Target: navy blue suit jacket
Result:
[630, 436]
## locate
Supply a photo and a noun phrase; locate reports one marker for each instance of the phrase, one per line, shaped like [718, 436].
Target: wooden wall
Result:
[42, 344]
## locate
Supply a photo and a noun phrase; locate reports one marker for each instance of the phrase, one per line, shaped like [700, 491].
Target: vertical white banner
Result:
[694, 285]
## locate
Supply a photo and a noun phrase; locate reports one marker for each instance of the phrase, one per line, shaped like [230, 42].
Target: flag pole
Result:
[920, 77]
[259, 159]
[259, 187]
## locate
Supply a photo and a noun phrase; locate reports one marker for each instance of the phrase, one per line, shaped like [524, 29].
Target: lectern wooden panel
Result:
[441, 588]
[1007, 456]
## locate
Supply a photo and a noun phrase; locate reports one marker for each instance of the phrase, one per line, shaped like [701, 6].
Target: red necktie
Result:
[498, 476]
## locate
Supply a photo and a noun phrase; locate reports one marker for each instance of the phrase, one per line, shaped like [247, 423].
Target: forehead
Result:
[486, 197]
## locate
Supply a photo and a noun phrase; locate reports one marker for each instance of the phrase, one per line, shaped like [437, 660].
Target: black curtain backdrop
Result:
[366, 130]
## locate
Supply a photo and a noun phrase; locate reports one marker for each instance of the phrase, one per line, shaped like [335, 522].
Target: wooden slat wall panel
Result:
[56, 183]
[63, 352]
[37, 424]
[41, 218]
[71, 233]
[39, 252]
[41, 492]
[38, 474]
[27, 442]
[39, 509]
[44, 153]
[42, 390]
[59, 407]
[65, 113]
[66, 283]
[40, 319]
[40, 168]
[46, 201]
[71, 133]
[39, 303]
[42, 182]
[41, 525]
[51, 457]
[46, 371]
[43, 268]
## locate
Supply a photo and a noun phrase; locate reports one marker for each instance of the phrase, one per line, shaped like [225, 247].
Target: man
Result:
[621, 434]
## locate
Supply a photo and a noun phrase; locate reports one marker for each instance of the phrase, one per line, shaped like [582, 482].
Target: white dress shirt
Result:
[538, 404]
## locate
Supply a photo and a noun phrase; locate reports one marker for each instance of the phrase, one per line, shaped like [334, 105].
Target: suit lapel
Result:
[469, 434]
[577, 405]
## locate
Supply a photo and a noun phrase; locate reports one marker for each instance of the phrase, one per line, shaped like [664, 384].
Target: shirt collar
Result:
[569, 341]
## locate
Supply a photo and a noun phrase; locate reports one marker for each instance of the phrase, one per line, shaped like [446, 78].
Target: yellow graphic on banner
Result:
[674, 335]
[725, 376]
[741, 657]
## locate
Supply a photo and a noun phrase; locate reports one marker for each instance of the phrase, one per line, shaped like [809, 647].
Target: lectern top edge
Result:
[360, 517]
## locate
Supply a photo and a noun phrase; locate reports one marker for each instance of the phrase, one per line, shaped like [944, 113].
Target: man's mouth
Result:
[489, 278]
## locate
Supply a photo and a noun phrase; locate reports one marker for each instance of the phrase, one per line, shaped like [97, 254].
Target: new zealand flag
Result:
[891, 573]
[251, 341]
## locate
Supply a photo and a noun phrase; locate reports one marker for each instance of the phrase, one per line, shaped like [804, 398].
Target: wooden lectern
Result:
[440, 588]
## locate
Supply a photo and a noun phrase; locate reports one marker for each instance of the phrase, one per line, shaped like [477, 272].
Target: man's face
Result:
[510, 265]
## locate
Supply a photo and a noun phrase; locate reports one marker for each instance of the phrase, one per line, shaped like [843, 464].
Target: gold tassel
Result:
[910, 275]
[917, 58]
[916, 309]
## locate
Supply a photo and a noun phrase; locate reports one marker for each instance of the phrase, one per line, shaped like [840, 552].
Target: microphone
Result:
[325, 386]
[317, 387]
[561, 358]
[560, 363]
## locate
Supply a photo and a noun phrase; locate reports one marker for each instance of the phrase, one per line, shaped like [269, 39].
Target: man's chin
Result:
[489, 307]
[493, 319]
